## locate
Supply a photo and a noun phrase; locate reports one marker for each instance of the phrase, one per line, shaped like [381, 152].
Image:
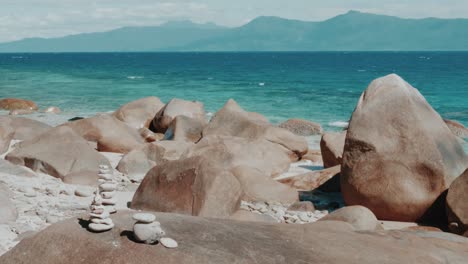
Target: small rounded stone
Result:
[104, 215]
[108, 195]
[144, 217]
[168, 242]
[108, 187]
[81, 192]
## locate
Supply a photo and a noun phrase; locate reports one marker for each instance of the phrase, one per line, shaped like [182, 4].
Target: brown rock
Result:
[258, 187]
[302, 127]
[302, 206]
[269, 158]
[111, 134]
[17, 104]
[177, 107]
[457, 205]
[457, 128]
[246, 216]
[149, 136]
[183, 128]
[332, 145]
[361, 218]
[313, 155]
[23, 128]
[225, 241]
[232, 120]
[139, 161]
[10, 168]
[139, 113]
[196, 186]
[8, 211]
[398, 165]
[311, 180]
[62, 154]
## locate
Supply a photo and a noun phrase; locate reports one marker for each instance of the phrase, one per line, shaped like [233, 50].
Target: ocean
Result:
[319, 86]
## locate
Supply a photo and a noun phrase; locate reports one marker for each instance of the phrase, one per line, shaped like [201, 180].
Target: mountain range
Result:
[353, 31]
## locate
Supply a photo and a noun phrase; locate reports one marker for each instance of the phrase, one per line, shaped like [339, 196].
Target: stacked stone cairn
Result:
[104, 202]
[147, 230]
[99, 217]
[107, 188]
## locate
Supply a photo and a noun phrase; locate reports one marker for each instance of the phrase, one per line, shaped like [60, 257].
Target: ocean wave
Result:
[135, 77]
[341, 124]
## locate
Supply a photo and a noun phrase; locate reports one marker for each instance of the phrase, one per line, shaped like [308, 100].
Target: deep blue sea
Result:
[322, 87]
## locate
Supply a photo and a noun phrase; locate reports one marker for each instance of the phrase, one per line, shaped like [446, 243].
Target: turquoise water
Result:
[323, 87]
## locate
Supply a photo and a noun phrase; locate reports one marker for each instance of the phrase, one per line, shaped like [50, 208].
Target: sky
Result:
[53, 18]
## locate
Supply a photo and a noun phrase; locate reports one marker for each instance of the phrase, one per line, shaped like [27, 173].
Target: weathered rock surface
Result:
[17, 104]
[196, 186]
[184, 128]
[23, 128]
[311, 180]
[302, 127]
[269, 158]
[313, 155]
[332, 145]
[60, 153]
[6, 135]
[457, 128]
[222, 241]
[247, 216]
[361, 218]
[21, 112]
[139, 113]
[8, 211]
[139, 161]
[10, 168]
[232, 120]
[111, 134]
[457, 205]
[398, 165]
[177, 107]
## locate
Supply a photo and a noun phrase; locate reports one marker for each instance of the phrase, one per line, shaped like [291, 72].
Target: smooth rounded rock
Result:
[148, 233]
[108, 187]
[168, 242]
[144, 218]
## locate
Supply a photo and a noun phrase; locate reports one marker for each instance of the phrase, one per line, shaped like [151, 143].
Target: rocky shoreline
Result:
[390, 169]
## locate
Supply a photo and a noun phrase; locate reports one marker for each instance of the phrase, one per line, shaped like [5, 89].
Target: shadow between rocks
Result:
[129, 235]
[83, 223]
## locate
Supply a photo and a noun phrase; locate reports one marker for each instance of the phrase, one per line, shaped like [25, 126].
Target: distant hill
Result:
[353, 31]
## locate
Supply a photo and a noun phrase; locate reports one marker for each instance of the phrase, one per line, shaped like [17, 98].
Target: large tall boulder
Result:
[60, 153]
[331, 146]
[457, 205]
[232, 120]
[177, 107]
[17, 104]
[110, 134]
[139, 113]
[399, 155]
[23, 128]
[215, 241]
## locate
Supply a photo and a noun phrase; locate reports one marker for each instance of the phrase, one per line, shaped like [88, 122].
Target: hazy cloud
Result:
[51, 18]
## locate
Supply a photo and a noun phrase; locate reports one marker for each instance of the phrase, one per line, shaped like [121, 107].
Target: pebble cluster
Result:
[148, 230]
[104, 202]
[281, 213]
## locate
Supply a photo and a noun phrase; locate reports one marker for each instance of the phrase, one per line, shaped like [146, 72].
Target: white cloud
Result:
[51, 18]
